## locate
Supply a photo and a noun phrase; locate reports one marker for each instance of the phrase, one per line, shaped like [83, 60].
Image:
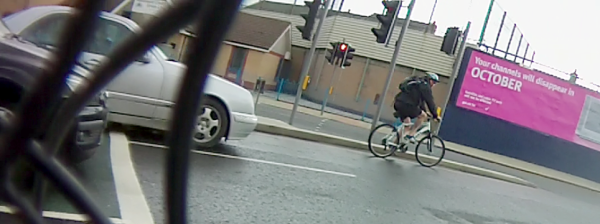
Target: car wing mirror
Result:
[3, 27]
[145, 59]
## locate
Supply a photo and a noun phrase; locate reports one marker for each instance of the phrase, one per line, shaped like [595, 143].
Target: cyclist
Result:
[410, 102]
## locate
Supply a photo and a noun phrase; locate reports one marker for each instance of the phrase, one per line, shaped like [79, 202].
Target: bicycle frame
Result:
[425, 129]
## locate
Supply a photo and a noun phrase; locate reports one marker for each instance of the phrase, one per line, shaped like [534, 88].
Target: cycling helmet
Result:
[433, 76]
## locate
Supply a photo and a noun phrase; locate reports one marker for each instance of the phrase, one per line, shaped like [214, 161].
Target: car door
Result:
[135, 91]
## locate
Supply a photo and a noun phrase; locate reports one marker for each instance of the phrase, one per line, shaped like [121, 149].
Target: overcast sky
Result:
[563, 33]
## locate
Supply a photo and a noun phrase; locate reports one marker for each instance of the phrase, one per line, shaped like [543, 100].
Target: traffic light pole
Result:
[457, 63]
[308, 58]
[393, 64]
[329, 91]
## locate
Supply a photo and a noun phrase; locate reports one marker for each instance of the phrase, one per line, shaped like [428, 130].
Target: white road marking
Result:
[318, 128]
[132, 202]
[251, 160]
[62, 216]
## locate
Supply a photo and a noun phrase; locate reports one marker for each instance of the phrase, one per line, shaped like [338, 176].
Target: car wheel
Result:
[6, 115]
[211, 124]
[23, 173]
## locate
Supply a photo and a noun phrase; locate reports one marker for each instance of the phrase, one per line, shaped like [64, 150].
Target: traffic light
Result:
[450, 40]
[333, 53]
[387, 21]
[348, 55]
[310, 18]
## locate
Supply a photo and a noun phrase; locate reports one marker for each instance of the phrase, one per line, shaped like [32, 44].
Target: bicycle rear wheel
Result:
[379, 141]
[429, 145]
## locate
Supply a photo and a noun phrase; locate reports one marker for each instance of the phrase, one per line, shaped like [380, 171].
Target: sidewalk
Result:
[286, 98]
[268, 125]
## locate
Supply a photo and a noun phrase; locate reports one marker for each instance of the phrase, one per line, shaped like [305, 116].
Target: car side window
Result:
[47, 30]
[107, 36]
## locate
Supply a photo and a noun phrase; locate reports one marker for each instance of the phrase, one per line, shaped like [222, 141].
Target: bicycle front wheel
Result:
[430, 150]
[381, 140]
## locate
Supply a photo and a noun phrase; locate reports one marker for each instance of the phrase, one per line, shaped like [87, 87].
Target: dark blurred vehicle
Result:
[21, 63]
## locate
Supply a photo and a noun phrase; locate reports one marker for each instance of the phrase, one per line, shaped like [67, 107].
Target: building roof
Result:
[420, 49]
[256, 31]
[292, 9]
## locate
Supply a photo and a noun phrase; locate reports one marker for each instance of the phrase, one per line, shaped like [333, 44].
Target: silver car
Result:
[144, 93]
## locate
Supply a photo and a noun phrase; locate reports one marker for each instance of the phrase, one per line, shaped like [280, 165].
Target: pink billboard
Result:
[507, 91]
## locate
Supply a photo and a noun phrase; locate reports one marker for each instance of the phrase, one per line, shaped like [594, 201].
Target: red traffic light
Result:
[343, 47]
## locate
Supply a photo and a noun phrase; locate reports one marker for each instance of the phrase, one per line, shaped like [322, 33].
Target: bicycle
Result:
[424, 134]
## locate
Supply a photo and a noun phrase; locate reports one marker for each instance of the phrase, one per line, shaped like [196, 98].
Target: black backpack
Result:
[409, 81]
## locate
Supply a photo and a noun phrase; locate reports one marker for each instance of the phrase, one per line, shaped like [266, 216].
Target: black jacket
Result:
[417, 94]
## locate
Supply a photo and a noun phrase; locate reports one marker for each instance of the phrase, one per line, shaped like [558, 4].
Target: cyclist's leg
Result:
[420, 119]
[401, 115]
[407, 121]
[413, 112]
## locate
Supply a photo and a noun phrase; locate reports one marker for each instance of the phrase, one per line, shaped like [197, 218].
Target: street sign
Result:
[150, 7]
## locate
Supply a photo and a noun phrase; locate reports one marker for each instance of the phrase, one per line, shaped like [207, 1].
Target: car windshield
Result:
[109, 34]
[161, 53]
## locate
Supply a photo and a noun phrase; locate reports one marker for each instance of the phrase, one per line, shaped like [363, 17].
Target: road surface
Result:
[96, 176]
[328, 126]
[273, 179]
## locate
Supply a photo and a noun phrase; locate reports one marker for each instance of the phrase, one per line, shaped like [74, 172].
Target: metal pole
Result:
[525, 55]
[291, 8]
[431, 16]
[459, 57]
[256, 101]
[499, 32]
[512, 33]
[319, 70]
[485, 23]
[362, 79]
[308, 60]
[324, 104]
[393, 64]
[336, 14]
[339, 76]
[518, 48]
[281, 82]
[333, 25]
[393, 24]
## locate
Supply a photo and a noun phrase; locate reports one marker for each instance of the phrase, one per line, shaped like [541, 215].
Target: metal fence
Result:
[286, 86]
[501, 36]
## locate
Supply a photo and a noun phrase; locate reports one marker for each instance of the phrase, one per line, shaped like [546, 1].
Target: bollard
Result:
[259, 87]
[324, 105]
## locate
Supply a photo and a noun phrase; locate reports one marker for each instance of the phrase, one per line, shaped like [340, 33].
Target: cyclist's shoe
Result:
[410, 139]
[403, 148]
[392, 147]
